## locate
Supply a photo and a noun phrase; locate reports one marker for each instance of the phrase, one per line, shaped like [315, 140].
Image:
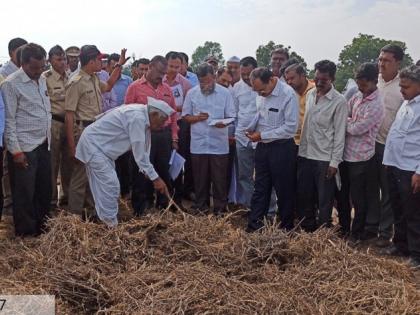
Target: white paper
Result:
[176, 164]
[225, 121]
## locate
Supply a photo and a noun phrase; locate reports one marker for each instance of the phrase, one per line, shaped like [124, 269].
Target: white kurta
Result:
[113, 134]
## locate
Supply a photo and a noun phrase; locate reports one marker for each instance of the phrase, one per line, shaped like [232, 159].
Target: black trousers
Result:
[184, 183]
[160, 154]
[31, 191]
[342, 197]
[123, 168]
[210, 169]
[384, 213]
[315, 194]
[274, 167]
[406, 206]
[359, 179]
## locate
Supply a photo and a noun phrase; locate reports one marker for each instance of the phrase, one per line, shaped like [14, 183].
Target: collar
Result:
[371, 96]
[309, 87]
[12, 65]
[331, 93]
[277, 89]
[395, 79]
[143, 80]
[177, 80]
[85, 74]
[24, 77]
[58, 76]
[414, 100]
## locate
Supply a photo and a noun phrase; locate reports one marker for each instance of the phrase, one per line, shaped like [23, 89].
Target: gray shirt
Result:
[324, 127]
[28, 112]
[278, 114]
[116, 132]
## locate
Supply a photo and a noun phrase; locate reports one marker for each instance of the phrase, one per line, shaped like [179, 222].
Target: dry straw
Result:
[175, 263]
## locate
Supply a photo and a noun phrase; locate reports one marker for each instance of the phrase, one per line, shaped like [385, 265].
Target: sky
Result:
[315, 29]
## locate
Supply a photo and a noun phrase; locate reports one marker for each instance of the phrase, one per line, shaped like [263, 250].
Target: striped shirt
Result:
[365, 118]
[28, 112]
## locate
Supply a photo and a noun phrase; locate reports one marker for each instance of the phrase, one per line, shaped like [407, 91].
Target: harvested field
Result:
[175, 263]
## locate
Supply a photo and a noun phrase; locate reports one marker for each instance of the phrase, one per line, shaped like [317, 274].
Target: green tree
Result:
[208, 49]
[263, 53]
[363, 48]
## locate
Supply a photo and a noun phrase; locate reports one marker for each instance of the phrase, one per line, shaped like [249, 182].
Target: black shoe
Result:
[414, 263]
[382, 242]
[367, 236]
[218, 212]
[63, 202]
[189, 196]
[393, 251]
[145, 205]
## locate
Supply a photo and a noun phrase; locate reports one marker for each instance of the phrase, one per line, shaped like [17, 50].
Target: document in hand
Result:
[176, 164]
[225, 121]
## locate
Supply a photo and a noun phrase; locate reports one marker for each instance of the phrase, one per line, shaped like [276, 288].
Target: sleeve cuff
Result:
[264, 135]
[334, 164]
[153, 175]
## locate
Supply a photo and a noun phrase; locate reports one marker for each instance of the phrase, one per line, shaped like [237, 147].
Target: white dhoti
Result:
[105, 187]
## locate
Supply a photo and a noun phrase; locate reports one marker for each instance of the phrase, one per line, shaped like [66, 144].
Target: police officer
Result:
[83, 101]
[57, 78]
[72, 54]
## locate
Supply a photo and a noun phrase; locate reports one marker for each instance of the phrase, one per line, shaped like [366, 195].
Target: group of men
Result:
[250, 135]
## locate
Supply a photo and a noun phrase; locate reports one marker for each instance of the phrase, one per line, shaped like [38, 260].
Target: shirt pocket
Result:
[322, 119]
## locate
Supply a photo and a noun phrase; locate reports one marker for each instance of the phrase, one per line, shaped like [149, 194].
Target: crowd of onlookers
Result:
[271, 140]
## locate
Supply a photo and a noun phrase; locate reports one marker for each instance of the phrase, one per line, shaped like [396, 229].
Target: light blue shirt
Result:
[402, 148]
[120, 88]
[246, 109]
[278, 114]
[207, 139]
[109, 99]
[1, 120]
[192, 78]
[8, 68]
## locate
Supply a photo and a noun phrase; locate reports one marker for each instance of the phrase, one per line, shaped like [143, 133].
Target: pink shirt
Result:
[138, 92]
[365, 117]
[179, 80]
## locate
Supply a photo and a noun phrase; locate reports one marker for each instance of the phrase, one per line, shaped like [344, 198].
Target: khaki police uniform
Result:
[60, 160]
[83, 97]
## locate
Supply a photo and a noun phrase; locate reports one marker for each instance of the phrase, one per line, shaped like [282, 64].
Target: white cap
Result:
[234, 59]
[161, 105]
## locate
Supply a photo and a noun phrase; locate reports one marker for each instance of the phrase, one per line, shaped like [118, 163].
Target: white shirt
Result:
[244, 99]
[207, 139]
[278, 114]
[116, 132]
[392, 100]
[402, 148]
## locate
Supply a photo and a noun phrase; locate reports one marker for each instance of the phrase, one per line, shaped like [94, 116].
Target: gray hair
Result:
[204, 69]
[161, 114]
[412, 73]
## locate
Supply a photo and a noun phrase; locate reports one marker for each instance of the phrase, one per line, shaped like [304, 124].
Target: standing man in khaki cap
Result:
[82, 104]
[72, 54]
[57, 78]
